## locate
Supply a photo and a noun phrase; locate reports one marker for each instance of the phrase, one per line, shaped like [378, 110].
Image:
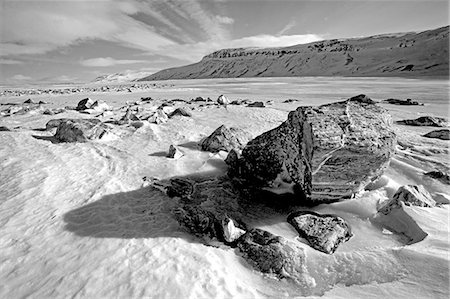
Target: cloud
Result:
[224, 20]
[20, 77]
[107, 61]
[10, 61]
[288, 27]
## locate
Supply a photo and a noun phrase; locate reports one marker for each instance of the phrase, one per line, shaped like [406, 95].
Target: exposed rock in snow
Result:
[225, 139]
[324, 153]
[85, 104]
[79, 130]
[174, 152]
[54, 123]
[407, 102]
[223, 100]
[54, 111]
[412, 195]
[256, 104]
[439, 175]
[180, 188]
[181, 112]
[198, 221]
[276, 255]
[4, 129]
[430, 121]
[159, 117]
[323, 232]
[443, 134]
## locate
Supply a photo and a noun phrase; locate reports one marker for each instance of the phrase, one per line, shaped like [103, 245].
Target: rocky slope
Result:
[404, 55]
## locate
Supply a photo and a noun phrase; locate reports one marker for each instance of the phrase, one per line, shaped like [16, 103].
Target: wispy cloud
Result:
[107, 61]
[224, 20]
[288, 27]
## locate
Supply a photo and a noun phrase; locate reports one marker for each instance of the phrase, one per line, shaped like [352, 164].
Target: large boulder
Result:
[443, 134]
[79, 130]
[320, 154]
[275, 255]
[429, 121]
[323, 232]
[225, 139]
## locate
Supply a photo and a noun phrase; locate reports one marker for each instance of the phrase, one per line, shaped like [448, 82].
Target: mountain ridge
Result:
[411, 54]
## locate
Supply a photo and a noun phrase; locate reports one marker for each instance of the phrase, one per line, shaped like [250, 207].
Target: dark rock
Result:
[321, 154]
[29, 101]
[443, 134]
[79, 130]
[54, 123]
[199, 99]
[291, 101]
[198, 221]
[412, 195]
[85, 104]
[232, 159]
[256, 104]
[174, 152]
[223, 100]
[146, 99]
[54, 111]
[323, 232]
[225, 139]
[42, 103]
[429, 121]
[4, 129]
[180, 188]
[407, 102]
[439, 175]
[275, 255]
[181, 112]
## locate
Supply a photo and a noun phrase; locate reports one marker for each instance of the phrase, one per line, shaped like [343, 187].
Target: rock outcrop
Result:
[79, 130]
[429, 121]
[407, 102]
[443, 134]
[321, 154]
[225, 139]
[323, 232]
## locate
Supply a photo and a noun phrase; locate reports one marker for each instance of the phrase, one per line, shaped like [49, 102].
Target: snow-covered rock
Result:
[225, 139]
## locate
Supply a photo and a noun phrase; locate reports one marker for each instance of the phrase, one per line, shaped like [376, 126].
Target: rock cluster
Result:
[321, 154]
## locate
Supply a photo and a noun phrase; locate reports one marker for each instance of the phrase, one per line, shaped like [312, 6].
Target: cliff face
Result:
[404, 55]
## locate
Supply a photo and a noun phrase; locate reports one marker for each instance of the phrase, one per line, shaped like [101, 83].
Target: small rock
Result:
[323, 232]
[198, 221]
[146, 99]
[413, 195]
[439, 175]
[159, 117]
[199, 99]
[407, 102]
[29, 101]
[223, 100]
[291, 101]
[256, 104]
[4, 129]
[429, 121]
[181, 112]
[225, 139]
[443, 134]
[85, 104]
[180, 188]
[231, 233]
[174, 152]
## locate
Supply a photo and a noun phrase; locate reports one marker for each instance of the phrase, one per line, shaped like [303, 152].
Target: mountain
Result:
[120, 77]
[402, 54]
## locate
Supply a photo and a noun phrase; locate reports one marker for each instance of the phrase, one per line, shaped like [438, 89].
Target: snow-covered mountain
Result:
[401, 54]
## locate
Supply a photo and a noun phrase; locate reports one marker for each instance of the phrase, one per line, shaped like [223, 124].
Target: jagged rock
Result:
[443, 134]
[323, 232]
[321, 154]
[439, 175]
[181, 112]
[407, 102]
[223, 100]
[79, 130]
[174, 152]
[429, 121]
[180, 188]
[275, 255]
[198, 221]
[256, 104]
[231, 233]
[414, 195]
[85, 104]
[54, 123]
[159, 117]
[225, 139]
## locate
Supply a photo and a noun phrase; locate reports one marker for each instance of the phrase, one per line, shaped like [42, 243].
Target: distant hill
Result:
[120, 77]
[401, 54]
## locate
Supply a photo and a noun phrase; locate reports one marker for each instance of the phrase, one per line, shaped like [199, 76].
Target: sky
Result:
[76, 41]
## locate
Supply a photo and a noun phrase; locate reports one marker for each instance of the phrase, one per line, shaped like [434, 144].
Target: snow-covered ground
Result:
[75, 220]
